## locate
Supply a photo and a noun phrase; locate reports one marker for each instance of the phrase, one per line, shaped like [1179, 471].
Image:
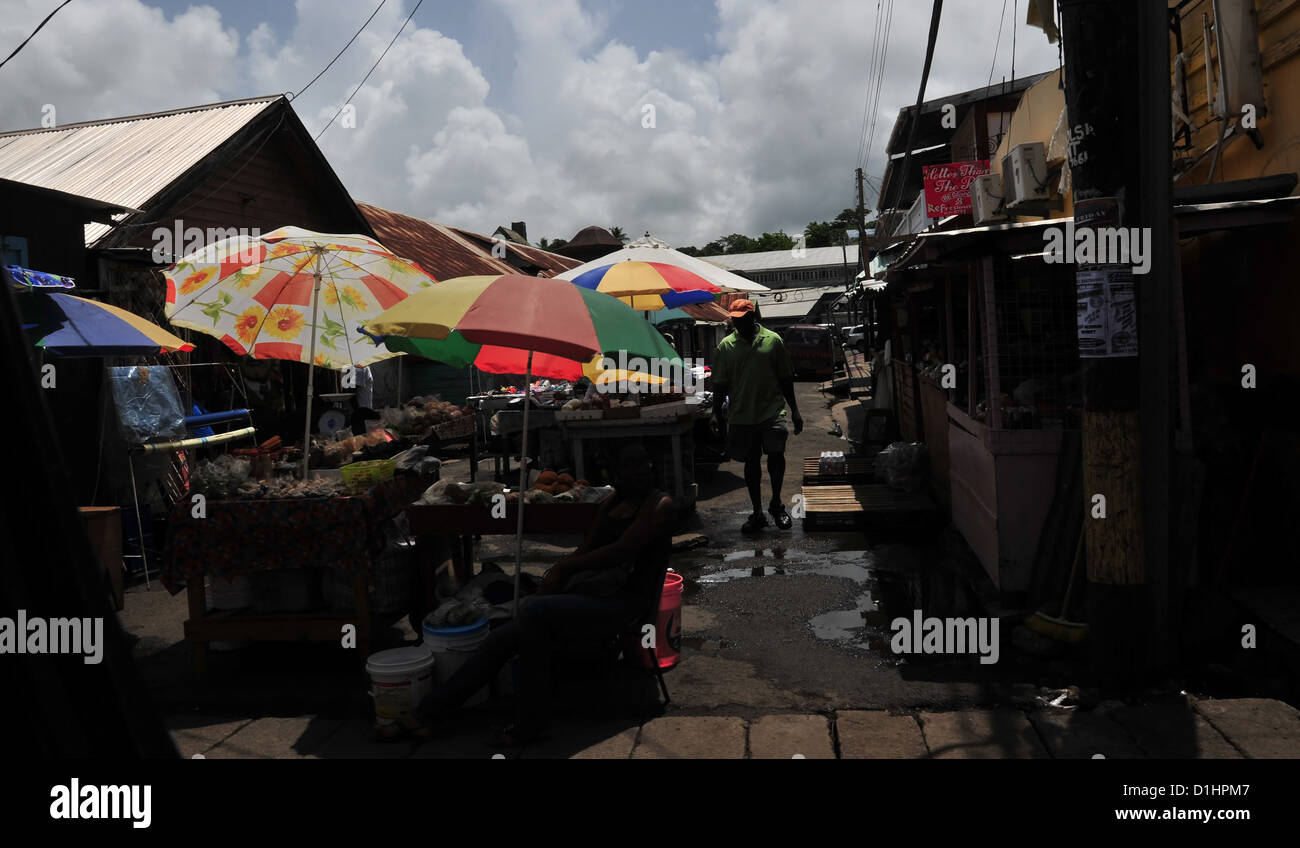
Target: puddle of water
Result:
[892, 581]
[729, 574]
[850, 565]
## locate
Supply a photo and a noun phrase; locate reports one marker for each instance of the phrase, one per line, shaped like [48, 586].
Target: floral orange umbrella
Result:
[292, 294]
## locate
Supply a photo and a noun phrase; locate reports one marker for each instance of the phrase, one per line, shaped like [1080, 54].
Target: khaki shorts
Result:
[749, 441]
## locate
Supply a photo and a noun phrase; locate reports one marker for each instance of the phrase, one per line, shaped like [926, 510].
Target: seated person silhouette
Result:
[594, 594]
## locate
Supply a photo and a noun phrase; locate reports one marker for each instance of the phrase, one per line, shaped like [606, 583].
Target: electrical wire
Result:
[33, 35]
[880, 79]
[871, 71]
[997, 43]
[341, 52]
[1013, 42]
[369, 72]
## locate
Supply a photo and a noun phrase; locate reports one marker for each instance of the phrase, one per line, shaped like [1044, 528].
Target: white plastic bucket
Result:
[399, 680]
[451, 646]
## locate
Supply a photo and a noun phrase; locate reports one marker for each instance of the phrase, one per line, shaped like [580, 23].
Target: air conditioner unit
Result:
[1024, 172]
[984, 203]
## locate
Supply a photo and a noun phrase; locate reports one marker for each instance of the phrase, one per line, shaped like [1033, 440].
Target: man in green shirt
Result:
[751, 368]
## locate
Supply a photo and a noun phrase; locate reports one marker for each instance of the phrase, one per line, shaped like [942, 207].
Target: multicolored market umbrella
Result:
[657, 253]
[498, 323]
[90, 328]
[649, 286]
[62, 324]
[292, 294]
[65, 325]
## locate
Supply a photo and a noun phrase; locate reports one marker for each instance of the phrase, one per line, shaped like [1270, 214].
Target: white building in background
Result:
[784, 269]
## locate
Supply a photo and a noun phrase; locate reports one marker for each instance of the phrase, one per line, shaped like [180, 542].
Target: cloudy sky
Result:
[488, 112]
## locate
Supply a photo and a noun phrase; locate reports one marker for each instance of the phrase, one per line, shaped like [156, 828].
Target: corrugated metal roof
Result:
[125, 161]
[439, 250]
[774, 260]
[793, 303]
[551, 263]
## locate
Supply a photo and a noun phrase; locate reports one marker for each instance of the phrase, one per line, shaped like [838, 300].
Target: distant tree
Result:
[737, 243]
[831, 233]
[617, 232]
[691, 250]
[551, 244]
[847, 220]
[818, 234]
[771, 241]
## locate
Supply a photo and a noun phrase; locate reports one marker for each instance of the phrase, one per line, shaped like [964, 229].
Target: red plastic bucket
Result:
[668, 627]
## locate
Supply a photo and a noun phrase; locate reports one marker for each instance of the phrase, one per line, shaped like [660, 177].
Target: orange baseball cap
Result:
[741, 308]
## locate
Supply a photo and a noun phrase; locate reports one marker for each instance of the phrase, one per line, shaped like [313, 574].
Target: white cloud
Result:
[761, 136]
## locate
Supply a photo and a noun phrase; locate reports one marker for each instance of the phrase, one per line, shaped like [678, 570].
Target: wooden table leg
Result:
[361, 593]
[473, 454]
[197, 595]
[677, 468]
[427, 562]
[467, 559]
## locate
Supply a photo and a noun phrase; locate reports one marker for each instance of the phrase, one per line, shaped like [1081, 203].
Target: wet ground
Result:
[783, 622]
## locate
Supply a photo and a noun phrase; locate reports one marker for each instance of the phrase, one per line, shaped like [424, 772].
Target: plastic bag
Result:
[903, 465]
[458, 612]
[148, 404]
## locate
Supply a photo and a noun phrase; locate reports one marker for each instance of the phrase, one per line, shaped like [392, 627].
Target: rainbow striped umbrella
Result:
[499, 323]
[648, 286]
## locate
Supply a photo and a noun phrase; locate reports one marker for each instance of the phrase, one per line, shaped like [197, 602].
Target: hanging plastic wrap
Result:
[148, 403]
[903, 465]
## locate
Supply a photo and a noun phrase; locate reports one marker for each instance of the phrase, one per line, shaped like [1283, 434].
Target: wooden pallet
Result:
[860, 502]
[861, 469]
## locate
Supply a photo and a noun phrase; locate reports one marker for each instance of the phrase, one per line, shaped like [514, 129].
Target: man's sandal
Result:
[757, 521]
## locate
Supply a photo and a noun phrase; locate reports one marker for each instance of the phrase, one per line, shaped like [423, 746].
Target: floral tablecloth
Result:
[239, 537]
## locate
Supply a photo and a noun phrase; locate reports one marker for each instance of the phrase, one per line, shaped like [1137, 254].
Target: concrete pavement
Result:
[1252, 728]
[783, 656]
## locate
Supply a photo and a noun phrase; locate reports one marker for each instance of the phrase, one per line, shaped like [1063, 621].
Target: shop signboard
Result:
[947, 186]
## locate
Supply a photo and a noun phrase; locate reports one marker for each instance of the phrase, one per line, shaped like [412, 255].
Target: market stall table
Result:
[460, 523]
[239, 537]
[673, 428]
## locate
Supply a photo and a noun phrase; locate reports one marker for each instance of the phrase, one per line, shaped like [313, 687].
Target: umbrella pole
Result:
[311, 369]
[523, 483]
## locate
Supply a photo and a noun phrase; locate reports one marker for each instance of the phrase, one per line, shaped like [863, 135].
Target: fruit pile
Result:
[420, 415]
[557, 484]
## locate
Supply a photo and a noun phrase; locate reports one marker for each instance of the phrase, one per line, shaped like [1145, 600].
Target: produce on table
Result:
[419, 415]
[226, 478]
[219, 478]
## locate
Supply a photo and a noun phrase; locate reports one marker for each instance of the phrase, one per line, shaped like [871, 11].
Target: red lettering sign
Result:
[947, 187]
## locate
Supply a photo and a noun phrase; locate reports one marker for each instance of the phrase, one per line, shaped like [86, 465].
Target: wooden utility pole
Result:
[862, 236]
[1119, 163]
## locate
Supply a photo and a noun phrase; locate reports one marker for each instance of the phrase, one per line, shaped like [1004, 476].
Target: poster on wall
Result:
[947, 186]
[1107, 312]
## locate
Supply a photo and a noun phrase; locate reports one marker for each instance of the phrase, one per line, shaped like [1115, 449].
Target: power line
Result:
[1013, 42]
[33, 35]
[875, 107]
[935, 12]
[341, 52]
[871, 71]
[369, 72]
[997, 43]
